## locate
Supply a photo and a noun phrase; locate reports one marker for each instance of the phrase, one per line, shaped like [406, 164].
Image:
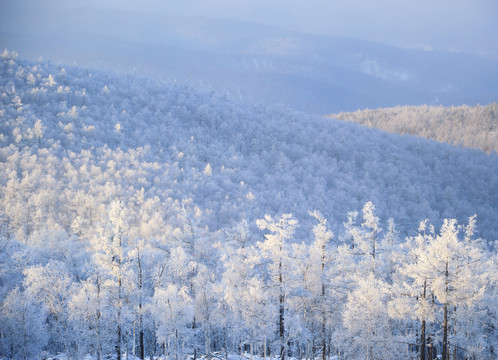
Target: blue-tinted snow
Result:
[161, 136]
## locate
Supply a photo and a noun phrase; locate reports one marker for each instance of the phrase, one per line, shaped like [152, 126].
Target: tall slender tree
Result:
[321, 258]
[275, 250]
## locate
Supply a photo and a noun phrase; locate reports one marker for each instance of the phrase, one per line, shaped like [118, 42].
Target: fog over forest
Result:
[255, 59]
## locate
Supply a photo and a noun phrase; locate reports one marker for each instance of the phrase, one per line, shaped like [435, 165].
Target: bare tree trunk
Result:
[264, 350]
[431, 352]
[154, 351]
[118, 345]
[281, 300]
[226, 343]
[422, 332]
[99, 342]
[373, 247]
[142, 345]
[324, 347]
[207, 341]
[134, 341]
[193, 328]
[445, 333]
[454, 333]
[445, 321]
[373, 251]
[324, 354]
[422, 341]
[176, 344]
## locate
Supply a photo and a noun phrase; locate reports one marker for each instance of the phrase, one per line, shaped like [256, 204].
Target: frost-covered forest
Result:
[148, 218]
[468, 126]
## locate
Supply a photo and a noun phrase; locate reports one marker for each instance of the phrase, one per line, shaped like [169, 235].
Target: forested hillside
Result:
[140, 217]
[468, 126]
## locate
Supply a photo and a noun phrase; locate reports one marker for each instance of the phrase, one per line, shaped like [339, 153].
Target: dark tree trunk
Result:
[373, 246]
[282, 327]
[193, 328]
[373, 251]
[142, 347]
[324, 353]
[324, 348]
[99, 343]
[118, 345]
[422, 341]
[281, 301]
[422, 332]
[445, 321]
[445, 333]
[226, 343]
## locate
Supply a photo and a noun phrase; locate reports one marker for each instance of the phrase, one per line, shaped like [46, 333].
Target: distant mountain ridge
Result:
[256, 63]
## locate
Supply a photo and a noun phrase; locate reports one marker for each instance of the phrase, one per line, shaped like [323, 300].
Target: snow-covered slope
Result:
[470, 126]
[69, 130]
[146, 217]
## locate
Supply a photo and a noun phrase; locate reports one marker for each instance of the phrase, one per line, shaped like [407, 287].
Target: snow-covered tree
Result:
[276, 250]
[91, 319]
[456, 267]
[172, 307]
[320, 258]
[106, 193]
[369, 334]
[112, 266]
[245, 292]
[412, 295]
[363, 239]
[50, 285]
[450, 269]
[23, 331]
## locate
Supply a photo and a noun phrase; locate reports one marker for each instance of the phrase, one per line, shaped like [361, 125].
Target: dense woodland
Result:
[468, 126]
[145, 218]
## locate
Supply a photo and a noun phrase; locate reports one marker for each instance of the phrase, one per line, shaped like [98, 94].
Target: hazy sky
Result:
[462, 25]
